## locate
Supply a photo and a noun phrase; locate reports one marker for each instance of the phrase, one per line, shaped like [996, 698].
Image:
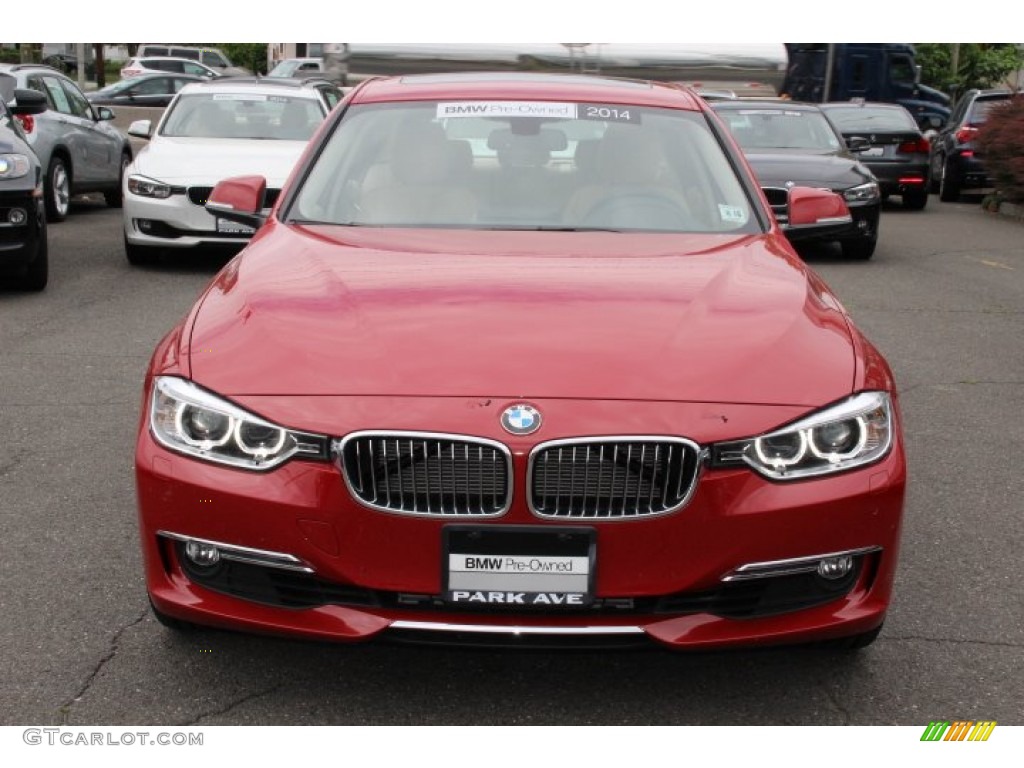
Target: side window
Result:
[155, 50]
[185, 53]
[213, 59]
[902, 70]
[79, 104]
[56, 94]
[193, 69]
[331, 95]
[36, 84]
[309, 66]
[152, 87]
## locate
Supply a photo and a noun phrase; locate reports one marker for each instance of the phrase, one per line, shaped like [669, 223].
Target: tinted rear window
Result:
[871, 119]
[983, 107]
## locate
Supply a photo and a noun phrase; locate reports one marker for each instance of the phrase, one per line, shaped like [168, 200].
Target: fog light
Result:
[145, 225]
[17, 216]
[201, 553]
[835, 567]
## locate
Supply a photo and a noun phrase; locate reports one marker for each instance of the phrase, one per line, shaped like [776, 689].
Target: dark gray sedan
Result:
[155, 90]
[789, 145]
[896, 152]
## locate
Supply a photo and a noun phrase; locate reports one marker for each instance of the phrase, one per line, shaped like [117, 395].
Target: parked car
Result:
[210, 131]
[78, 147]
[158, 64]
[897, 152]
[211, 57]
[152, 90]
[955, 164]
[790, 144]
[297, 67]
[23, 244]
[521, 357]
[68, 64]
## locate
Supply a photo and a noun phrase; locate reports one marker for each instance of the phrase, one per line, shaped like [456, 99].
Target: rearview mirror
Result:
[104, 113]
[28, 102]
[239, 199]
[143, 129]
[815, 212]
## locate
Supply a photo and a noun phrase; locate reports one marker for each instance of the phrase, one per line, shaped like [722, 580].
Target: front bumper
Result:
[174, 222]
[364, 573]
[19, 239]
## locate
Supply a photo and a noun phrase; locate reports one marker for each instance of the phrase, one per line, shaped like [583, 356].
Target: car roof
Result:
[772, 104]
[513, 86]
[859, 105]
[167, 58]
[29, 67]
[270, 85]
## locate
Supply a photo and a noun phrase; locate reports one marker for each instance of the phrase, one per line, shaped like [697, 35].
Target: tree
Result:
[977, 65]
[252, 56]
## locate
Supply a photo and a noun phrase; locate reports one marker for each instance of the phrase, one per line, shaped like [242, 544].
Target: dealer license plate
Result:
[519, 567]
[233, 228]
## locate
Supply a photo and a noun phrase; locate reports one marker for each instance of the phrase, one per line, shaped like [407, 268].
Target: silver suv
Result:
[78, 148]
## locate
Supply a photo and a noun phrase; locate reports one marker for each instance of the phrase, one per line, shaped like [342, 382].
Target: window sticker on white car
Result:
[732, 213]
[506, 109]
[239, 97]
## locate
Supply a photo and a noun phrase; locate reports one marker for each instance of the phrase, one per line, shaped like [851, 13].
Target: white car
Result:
[298, 67]
[212, 131]
[152, 64]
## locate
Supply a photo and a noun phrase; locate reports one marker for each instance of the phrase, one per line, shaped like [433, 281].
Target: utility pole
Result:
[80, 55]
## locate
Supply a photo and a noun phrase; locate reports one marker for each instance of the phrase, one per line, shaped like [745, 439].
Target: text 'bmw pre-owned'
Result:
[521, 358]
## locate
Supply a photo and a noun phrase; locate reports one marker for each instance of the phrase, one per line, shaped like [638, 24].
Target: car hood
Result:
[344, 311]
[207, 161]
[778, 167]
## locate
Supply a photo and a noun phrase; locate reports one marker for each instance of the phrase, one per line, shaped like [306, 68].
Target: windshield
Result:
[848, 119]
[242, 116]
[284, 69]
[780, 129]
[524, 165]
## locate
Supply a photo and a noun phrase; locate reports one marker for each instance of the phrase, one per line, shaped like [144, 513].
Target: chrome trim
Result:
[218, 206]
[435, 626]
[701, 459]
[338, 452]
[790, 566]
[248, 555]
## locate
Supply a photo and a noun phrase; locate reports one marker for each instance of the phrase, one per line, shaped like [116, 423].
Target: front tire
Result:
[37, 273]
[140, 255]
[860, 249]
[115, 197]
[176, 625]
[57, 189]
[949, 186]
[915, 200]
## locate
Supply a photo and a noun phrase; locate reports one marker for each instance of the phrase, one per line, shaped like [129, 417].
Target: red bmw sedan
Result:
[521, 358]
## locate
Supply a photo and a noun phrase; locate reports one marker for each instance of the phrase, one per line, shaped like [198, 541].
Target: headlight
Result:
[191, 420]
[850, 434]
[862, 193]
[143, 187]
[14, 166]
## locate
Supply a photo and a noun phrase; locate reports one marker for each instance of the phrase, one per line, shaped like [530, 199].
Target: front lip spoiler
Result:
[497, 629]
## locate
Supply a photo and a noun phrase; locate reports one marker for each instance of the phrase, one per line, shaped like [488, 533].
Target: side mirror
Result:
[238, 200]
[143, 129]
[104, 113]
[816, 212]
[28, 102]
[857, 144]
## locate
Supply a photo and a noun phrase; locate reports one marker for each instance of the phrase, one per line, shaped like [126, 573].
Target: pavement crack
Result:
[10, 465]
[953, 640]
[232, 705]
[115, 642]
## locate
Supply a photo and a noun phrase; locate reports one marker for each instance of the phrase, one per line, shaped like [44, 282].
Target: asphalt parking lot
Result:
[944, 301]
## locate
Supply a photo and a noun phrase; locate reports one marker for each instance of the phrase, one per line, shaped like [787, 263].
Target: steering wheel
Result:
[640, 210]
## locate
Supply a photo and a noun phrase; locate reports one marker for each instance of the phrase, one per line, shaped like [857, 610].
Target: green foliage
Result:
[979, 65]
[1001, 140]
[252, 56]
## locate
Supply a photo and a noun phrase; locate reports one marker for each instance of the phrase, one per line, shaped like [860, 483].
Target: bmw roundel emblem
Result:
[520, 419]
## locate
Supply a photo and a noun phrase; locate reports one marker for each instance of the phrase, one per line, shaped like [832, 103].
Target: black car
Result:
[23, 246]
[155, 90]
[955, 164]
[896, 152]
[789, 144]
